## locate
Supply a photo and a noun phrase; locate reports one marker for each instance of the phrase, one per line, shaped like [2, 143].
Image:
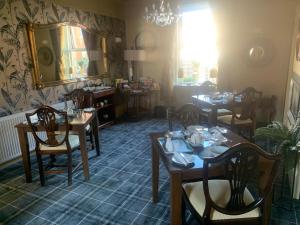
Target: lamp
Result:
[162, 15]
[133, 56]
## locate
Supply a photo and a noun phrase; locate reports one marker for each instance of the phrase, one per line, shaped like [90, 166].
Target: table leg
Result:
[84, 155]
[24, 146]
[176, 199]
[96, 134]
[155, 173]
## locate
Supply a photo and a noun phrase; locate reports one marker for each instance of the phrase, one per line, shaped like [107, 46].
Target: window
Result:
[198, 53]
[74, 57]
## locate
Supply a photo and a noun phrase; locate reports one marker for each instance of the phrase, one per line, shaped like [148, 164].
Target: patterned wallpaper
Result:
[16, 89]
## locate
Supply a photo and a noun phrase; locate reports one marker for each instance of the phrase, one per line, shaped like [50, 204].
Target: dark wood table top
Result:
[214, 100]
[233, 139]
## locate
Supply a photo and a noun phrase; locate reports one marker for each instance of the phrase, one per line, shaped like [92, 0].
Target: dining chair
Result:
[207, 87]
[82, 99]
[243, 109]
[241, 194]
[56, 140]
[188, 114]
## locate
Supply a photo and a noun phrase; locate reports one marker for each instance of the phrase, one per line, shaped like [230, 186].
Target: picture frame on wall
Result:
[294, 103]
[296, 64]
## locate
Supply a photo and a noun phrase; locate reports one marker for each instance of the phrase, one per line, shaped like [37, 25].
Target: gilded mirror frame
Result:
[38, 83]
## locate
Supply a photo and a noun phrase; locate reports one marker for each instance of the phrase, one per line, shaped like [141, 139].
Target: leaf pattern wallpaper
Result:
[16, 89]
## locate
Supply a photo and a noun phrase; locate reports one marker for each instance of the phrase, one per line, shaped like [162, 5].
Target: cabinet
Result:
[105, 104]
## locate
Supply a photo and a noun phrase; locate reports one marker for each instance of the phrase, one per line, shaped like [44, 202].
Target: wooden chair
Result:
[56, 141]
[188, 114]
[207, 87]
[82, 99]
[241, 196]
[243, 109]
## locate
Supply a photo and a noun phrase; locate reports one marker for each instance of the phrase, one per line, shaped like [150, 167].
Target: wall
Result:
[110, 8]
[238, 23]
[155, 64]
[17, 93]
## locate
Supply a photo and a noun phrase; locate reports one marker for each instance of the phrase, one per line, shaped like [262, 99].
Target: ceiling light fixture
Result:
[162, 15]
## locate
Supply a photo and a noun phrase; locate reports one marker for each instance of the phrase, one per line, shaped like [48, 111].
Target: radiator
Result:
[9, 140]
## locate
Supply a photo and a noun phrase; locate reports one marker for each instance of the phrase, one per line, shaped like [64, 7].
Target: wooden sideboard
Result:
[104, 101]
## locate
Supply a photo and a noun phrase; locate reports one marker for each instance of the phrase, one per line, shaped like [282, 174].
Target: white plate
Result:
[218, 149]
[176, 134]
[194, 128]
[223, 130]
[189, 158]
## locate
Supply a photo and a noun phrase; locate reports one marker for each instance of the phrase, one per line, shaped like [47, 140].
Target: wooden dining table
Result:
[77, 126]
[178, 174]
[213, 103]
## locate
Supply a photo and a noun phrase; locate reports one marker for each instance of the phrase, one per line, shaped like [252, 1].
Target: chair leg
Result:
[41, 168]
[251, 135]
[69, 169]
[92, 140]
[183, 213]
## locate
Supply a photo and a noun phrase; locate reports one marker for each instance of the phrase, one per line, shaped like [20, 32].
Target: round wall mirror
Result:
[259, 52]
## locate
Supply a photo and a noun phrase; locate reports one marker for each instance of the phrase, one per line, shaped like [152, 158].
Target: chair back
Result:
[247, 168]
[80, 98]
[188, 114]
[207, 87]
[246, 107]
[51, 121]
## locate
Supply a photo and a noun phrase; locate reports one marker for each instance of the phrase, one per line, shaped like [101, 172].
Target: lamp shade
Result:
[135, 55]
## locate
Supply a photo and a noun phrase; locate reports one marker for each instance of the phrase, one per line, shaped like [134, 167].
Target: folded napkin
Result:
[169, 145]
[180, 159]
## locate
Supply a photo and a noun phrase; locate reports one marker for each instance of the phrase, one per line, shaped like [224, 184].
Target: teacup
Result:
[196, 138]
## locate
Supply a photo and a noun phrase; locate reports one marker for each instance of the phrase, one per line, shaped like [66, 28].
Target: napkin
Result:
[169, 145]
[180, 159]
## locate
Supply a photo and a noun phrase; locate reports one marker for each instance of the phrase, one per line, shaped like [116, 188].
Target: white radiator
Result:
[9, 140]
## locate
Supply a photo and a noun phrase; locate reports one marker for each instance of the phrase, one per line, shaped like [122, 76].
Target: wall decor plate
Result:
[45, 56]
[259, 51]
[145, 40]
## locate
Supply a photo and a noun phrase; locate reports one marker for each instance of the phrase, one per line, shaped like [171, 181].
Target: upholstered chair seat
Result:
[220, 194]
[73, 140]
[221, 112]
[227, 119]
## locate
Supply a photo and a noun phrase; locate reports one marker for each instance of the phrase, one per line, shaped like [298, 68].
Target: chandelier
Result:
[162, 15]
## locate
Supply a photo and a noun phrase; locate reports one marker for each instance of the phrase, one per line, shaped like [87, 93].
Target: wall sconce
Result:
[134, 56]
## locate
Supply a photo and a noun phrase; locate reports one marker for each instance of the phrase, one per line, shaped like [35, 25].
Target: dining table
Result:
[180, 174]
[77, 126]
[215, 101]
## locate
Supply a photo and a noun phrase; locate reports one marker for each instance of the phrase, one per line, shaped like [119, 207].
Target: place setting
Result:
[186, 146]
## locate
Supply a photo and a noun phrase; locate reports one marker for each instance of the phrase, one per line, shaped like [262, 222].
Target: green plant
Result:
[288, 139]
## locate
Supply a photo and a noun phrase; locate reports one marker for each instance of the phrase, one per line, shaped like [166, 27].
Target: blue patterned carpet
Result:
[118, 192]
